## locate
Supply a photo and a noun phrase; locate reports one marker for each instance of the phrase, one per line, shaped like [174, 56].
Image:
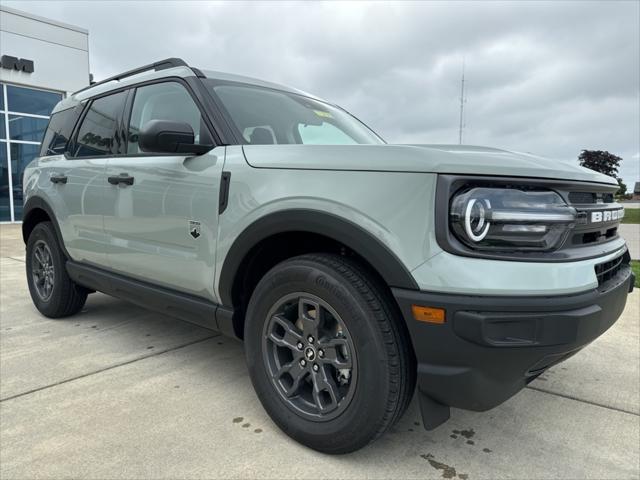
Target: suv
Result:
[352, 269]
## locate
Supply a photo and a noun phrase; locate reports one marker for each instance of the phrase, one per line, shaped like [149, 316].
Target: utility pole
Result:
[462, 102]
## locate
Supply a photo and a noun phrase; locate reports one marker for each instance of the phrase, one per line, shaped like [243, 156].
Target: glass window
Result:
[5, 207]
[164, 101]
[1, 96]
[27, 128]
[323, 134]
[21, 156]
[28, 100]
[98, 134]
[267, 113]
[59, 131]
[3, 131]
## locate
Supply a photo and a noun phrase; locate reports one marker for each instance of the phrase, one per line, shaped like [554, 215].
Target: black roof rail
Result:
[161, 65]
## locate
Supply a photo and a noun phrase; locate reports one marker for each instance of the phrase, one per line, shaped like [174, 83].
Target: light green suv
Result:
[352, 269]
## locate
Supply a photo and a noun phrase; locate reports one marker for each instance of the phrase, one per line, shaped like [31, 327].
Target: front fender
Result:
[385, 217]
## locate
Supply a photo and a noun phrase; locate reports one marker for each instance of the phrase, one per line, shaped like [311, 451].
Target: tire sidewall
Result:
[44, 231]
[370, 398]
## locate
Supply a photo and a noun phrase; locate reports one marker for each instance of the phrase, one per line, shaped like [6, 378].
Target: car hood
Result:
[452, 159]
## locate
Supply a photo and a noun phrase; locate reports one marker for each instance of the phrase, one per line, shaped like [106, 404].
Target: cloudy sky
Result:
[549, 78]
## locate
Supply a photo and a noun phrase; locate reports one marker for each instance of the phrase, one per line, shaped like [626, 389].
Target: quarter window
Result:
[98, 134]
[59, 131]
[164, 101]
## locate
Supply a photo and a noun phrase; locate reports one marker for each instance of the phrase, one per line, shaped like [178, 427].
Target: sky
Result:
[549, 78]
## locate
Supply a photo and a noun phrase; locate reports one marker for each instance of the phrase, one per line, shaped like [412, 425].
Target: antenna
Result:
[462, 102]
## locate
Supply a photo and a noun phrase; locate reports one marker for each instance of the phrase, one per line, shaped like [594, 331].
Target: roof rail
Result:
[161, 65]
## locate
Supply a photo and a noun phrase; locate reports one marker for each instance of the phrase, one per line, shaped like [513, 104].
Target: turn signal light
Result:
[428, 314]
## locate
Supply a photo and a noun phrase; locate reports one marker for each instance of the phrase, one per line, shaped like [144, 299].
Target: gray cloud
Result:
[548, 78]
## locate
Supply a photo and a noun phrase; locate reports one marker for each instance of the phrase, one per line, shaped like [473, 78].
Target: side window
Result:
[59, 131]
[98, 133]
[164, 101]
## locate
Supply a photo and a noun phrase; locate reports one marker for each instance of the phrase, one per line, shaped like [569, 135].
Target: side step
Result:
[163, 300]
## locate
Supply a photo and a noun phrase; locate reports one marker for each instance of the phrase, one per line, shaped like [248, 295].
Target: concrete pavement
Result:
[119, 392]
[631, 233]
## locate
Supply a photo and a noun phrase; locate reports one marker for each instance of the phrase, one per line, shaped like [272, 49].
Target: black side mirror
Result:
[165, 136]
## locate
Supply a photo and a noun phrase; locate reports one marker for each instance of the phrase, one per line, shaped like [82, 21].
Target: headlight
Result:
[510, 218]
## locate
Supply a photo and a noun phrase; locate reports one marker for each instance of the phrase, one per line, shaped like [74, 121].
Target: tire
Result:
[333, 410]
[53, 293]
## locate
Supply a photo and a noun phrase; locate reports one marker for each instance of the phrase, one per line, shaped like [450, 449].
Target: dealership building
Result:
[42, 61]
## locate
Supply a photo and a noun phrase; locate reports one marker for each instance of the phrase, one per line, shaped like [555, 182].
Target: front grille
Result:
[607, 270]
[586, 238]
[587, 198]
[588, 231]
[582, 197]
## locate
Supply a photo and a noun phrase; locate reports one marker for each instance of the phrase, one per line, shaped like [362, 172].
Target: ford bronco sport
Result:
[352, 269]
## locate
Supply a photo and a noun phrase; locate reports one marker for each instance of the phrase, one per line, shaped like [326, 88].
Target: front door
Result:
[162, 210]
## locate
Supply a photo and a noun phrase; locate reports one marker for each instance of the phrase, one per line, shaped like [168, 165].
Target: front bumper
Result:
[490, 347]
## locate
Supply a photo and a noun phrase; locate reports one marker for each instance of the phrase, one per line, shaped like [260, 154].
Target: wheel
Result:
[53, 293]
[327, 353]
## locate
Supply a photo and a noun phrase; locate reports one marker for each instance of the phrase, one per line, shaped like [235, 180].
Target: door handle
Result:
[122, 178]
[55, 178]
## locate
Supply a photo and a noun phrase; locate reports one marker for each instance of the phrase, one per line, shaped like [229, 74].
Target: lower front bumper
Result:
[490, 347]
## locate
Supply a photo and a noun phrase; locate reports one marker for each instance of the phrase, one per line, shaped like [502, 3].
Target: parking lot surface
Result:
[120, 392]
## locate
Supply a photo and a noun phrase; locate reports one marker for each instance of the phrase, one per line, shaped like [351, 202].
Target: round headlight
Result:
[475, 223]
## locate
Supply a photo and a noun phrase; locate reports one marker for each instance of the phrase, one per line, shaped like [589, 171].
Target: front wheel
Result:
[327, 355]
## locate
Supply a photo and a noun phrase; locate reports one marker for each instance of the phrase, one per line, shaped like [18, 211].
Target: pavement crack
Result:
[110, 367]
[581, 400]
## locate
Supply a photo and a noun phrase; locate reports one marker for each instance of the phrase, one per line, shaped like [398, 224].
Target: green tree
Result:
[600, 161]
[622, 191]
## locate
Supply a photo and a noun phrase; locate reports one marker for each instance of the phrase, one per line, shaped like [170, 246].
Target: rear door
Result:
[77, 173]
[162, 221]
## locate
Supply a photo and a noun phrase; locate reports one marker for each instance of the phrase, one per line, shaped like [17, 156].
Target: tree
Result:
[600, 161]
[622, 191]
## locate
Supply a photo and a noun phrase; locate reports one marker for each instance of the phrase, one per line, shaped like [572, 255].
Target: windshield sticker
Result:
[322, 113]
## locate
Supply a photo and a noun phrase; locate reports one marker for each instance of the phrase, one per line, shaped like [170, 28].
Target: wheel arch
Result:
[337, 231]
[37, 210]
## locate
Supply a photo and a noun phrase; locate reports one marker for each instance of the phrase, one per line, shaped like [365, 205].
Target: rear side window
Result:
[59, 131]
[98, 134]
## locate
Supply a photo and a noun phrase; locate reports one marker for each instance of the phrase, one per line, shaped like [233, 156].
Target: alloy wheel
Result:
[43, 271]
[310, 357]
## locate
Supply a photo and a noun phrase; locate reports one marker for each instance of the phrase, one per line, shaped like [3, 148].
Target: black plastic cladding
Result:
[447, 185]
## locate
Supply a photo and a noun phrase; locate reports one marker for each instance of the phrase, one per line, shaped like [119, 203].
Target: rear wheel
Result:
[53, 293]
[326, 353]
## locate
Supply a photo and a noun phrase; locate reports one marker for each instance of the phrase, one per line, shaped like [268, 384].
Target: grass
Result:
[631, 215]
[635, 266]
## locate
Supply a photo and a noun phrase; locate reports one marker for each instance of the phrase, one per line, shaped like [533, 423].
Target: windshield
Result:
[264, 116]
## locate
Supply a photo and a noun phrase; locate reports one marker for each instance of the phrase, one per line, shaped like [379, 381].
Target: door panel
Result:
[78, 204]
[149, 224]
[80, 188]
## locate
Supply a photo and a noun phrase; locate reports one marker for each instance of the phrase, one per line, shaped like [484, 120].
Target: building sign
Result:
[15, 63]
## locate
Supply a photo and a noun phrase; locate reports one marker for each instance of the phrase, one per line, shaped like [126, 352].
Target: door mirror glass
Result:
[165, 136]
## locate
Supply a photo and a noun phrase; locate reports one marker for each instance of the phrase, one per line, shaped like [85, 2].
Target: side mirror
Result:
[165, 136]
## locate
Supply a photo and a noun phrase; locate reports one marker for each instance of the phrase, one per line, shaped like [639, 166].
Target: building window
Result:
[24, 114]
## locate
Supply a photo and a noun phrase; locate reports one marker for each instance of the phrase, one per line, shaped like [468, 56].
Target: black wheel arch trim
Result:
[337, 228]
[38, 203]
